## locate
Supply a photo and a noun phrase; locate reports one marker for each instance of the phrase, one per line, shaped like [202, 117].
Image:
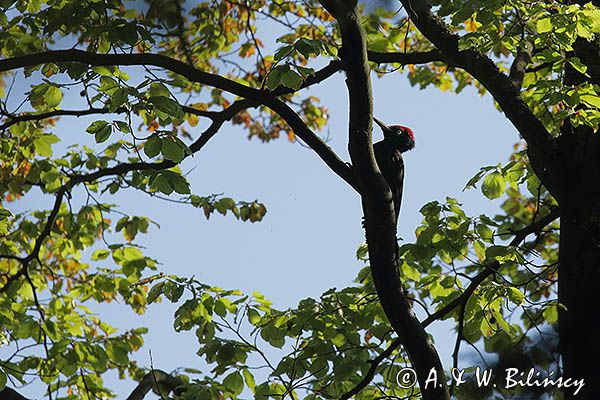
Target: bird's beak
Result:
[386, 129]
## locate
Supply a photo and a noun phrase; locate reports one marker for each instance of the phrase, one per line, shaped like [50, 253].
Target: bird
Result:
[397, 139]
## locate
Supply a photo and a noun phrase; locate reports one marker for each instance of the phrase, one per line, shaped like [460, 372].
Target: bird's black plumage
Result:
[388, 154]
[391, 164]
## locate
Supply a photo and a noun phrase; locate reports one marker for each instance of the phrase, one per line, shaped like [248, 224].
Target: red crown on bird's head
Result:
[405, 129]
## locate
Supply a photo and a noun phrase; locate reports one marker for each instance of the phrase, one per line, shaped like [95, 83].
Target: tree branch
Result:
[541, 145]
[421, 57]
[492, 267]
[462, 300]
[380, 220]
[121, 169]
[166, 382]
[11, 394]
[195, 75]
[15, 119]
[318, 77]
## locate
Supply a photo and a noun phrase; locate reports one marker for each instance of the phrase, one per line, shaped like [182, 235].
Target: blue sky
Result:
[306, 244]
[307, 241]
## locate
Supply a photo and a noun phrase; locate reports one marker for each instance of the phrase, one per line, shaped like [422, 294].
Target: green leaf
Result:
[338, 340]
[534, 185]
[590, 100]
[253, 316]
[487, 329]
[220, 308]
[409, 272]
[153, 146]
[173, 291]
[544, 25]
[234, 383]
[177, 182]
[156, 291]
[117, 353]
[576, 63]
[592, 17]
[485, 232]
[274, 79]
[100, 254]
[162, 184]
[550, 313]
[168, 106]
[308, 47]
[362, 253]
[291, 79]
[123, 126]
[493, 185]
[283, 52]
[108, 84]
[118, 98]
[305, 72]
[479, 248]
[515, 295]
[101, 130]
[249, 378]
[3, 380]
[52, 96]
[4, 213]
[493, 252]
[172, 150]
[43, 144]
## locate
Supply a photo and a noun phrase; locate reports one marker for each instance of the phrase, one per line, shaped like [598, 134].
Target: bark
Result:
[570, 169]
[541, 147]
[380, 221]
[10, 394]
[579, 326]
[579, 247]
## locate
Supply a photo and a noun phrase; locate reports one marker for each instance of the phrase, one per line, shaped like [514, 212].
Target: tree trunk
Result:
[579, 274]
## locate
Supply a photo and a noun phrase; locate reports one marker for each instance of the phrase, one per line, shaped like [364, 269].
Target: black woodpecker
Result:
[397, 139]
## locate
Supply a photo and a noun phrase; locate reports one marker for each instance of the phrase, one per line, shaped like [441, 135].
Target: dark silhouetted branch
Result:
[378, 208]
[541, 145]
[162, 383]
[195, 75]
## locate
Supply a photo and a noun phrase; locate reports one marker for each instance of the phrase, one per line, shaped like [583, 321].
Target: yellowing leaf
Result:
[471, 25]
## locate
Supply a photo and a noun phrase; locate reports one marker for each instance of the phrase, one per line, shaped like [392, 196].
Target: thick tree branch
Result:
[380, 220]
[262, 97]
[541, 146]
[11, 394]
[421, 57]
[157, 380]
[318, 77]
[461, 300]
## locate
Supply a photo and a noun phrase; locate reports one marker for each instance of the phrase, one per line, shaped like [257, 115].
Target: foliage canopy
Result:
[151, 74]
